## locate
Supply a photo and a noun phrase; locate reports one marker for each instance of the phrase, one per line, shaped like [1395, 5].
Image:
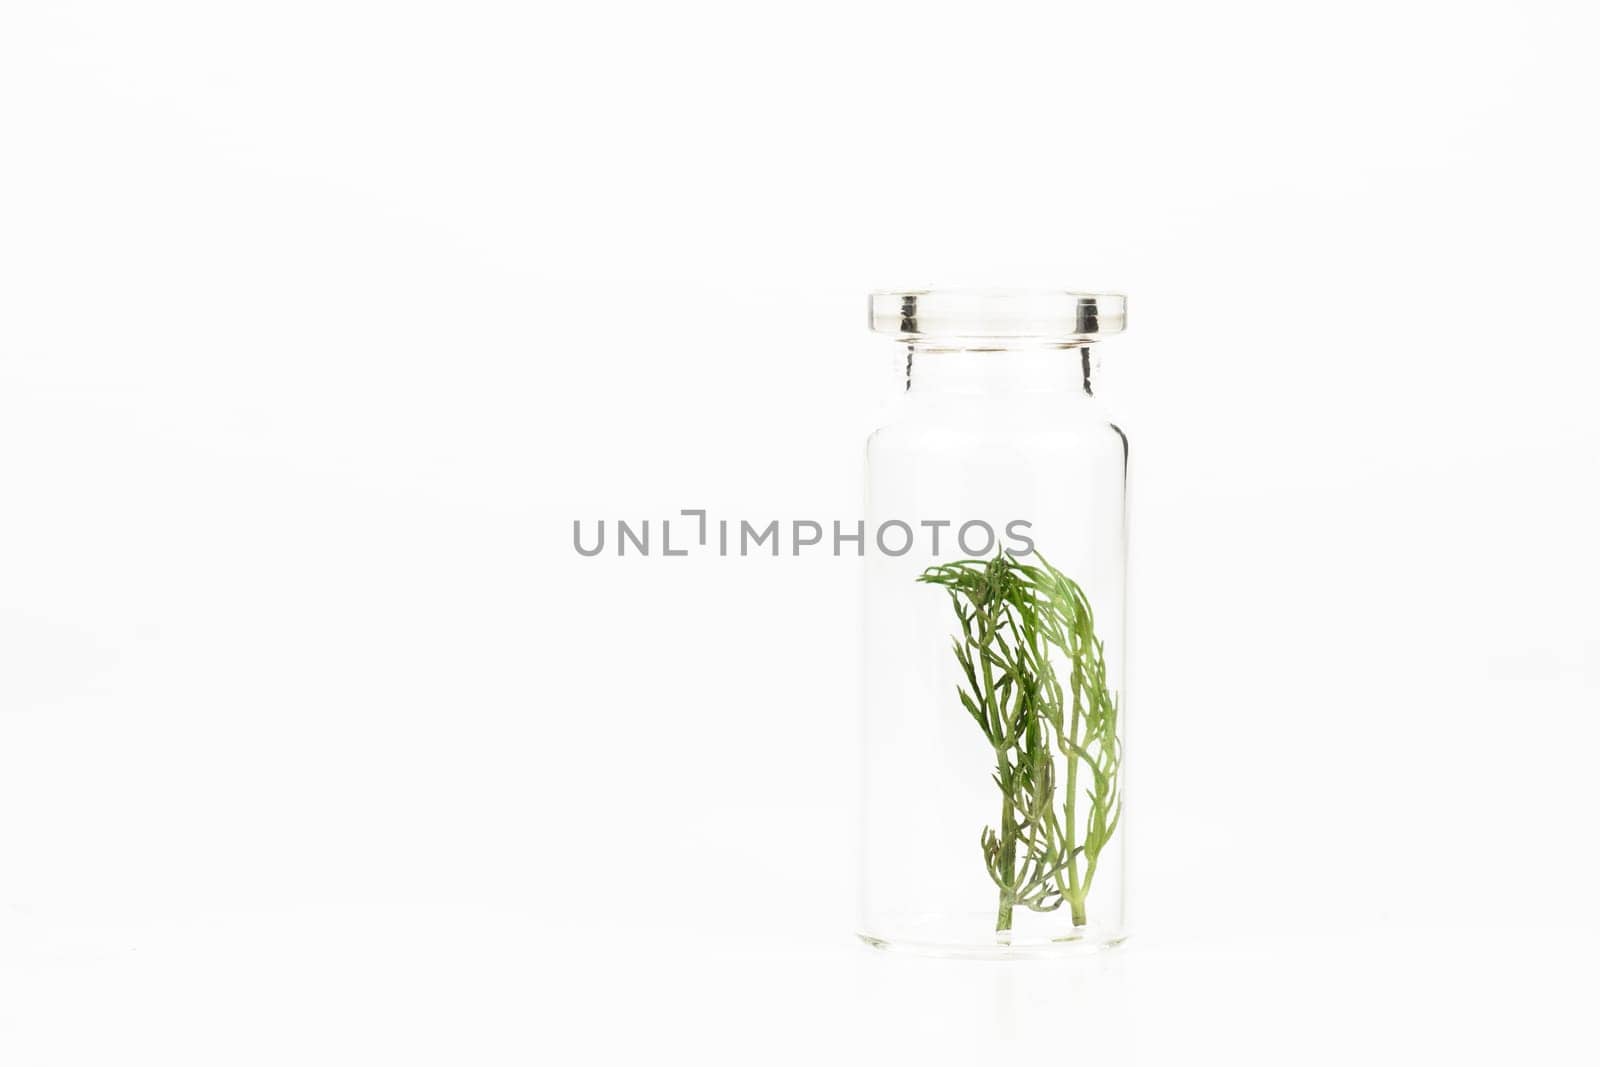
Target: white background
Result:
[321, 322]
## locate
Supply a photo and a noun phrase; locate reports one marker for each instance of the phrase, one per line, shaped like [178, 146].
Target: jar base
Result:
[1089, 942]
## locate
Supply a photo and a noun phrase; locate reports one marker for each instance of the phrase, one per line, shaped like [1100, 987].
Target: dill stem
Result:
[1008, 852]
[1008, 841]
[1075, 894]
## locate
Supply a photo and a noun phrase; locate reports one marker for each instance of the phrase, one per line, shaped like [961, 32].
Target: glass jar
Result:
[993, 755]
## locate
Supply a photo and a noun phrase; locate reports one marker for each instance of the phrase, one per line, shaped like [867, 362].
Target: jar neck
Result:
[945, 369]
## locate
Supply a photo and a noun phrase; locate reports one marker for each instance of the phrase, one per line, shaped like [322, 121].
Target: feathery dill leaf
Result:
[1034, 682]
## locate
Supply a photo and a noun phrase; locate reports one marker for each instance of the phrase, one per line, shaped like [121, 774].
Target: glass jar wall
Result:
[993, 799]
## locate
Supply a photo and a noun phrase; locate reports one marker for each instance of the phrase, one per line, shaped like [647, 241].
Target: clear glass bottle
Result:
[996, 568]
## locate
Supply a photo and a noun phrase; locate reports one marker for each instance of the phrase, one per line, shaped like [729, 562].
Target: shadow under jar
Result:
[992, 819]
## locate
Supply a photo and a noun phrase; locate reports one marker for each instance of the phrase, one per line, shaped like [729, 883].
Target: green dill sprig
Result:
[1017, 623]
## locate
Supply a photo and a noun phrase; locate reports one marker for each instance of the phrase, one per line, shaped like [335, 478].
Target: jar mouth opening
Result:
[1043, 315]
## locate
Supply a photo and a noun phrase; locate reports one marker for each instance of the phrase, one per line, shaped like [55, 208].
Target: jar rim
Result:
[1039, 314]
